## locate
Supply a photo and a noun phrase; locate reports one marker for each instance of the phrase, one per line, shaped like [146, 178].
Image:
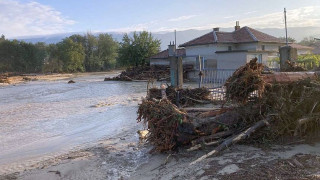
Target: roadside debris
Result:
[187, 97]
[4, 79]
[142, 73]
[71, 82]
[293, 67]
[156, 72]
[266, 106]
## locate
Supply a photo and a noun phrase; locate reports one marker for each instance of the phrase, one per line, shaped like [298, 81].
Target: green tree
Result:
[309, 61]
[91, 61]
[107, 51]
[136, 50]
[52, 62]
[310, 41]
[72, 55]
[2, 38]
[290, 39]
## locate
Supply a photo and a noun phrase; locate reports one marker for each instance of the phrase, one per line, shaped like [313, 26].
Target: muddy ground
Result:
[51, 77]
[124, 157]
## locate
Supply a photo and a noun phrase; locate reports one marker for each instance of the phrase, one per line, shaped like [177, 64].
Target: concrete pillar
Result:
[287, 53]
[176, 68]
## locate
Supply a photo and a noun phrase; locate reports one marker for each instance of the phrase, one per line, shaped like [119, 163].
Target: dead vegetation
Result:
[293, 67]
[142, 73]
[264, 111]
[156, 72]
[163, 119]
[187, 97]
[4, 79]
[244, 81]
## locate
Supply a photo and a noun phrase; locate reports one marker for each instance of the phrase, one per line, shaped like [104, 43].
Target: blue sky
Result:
[39, 17]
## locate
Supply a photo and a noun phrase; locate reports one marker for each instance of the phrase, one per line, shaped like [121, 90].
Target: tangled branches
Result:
[244, 81]
[187, 97]
[163, 119]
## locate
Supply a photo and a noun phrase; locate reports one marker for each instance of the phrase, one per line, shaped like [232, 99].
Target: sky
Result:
[43, 17]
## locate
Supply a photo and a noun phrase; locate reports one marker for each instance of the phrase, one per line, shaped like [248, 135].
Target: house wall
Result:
[269, 47]
[202, 50]
[247, 46]
[231, 60]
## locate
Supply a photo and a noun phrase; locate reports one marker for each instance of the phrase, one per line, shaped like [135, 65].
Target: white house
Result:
[229, 50]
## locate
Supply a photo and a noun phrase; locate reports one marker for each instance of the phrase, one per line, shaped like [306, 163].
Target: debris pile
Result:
[142, 73]
[71, 82]
[293, 67]
[187, 97]
[282, 108]
[4, 79]
[244, 81]
[163, 119]
[158, 72]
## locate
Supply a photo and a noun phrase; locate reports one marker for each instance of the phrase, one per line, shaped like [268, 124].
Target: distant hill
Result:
[183, 36]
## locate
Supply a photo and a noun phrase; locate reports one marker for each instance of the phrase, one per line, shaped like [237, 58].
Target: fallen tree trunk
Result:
[283, 77]
[198, 146]
[198, 109]
[212, 137]
[227, 118]
[233, 140]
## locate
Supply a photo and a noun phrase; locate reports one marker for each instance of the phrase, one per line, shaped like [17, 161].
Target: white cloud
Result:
[250, 12]
[228, 17]
[136, 27]
[182, 18]
[24, 19]
[300, 17]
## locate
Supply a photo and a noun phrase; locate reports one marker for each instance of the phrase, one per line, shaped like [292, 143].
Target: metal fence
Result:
[214, 78]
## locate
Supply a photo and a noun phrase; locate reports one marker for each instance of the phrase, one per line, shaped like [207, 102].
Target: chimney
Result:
[172, 49]
[216, 29]
[237, 27]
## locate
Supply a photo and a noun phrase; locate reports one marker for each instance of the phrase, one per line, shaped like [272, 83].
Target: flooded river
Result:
[41, 118]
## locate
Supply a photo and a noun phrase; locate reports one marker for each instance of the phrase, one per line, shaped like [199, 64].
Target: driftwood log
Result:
[235, 139]
[198, 146]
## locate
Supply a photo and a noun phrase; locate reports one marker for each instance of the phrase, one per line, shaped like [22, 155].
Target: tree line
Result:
[77, 53]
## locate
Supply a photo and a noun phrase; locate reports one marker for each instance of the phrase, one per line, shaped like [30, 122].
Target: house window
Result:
[211, 63]
[229, 48]
[263, 47]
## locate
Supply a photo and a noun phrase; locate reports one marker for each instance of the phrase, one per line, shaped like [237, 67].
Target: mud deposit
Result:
[41, 120]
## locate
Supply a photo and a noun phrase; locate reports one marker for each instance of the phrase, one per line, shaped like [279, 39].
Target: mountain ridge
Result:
[182, 36]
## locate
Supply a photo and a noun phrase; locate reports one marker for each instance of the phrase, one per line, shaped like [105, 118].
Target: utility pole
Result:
[285, 22]
[175, 37]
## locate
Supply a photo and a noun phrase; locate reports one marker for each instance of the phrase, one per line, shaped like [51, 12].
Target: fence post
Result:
[200, 71]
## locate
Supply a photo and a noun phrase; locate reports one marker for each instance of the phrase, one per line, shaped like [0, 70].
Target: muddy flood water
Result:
[43, 118]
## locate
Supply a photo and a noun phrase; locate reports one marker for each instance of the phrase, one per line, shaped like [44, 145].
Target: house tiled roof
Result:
[243, 35]
[165, 54]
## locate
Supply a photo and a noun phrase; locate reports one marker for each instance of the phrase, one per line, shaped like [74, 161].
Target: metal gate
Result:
[214, 80]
